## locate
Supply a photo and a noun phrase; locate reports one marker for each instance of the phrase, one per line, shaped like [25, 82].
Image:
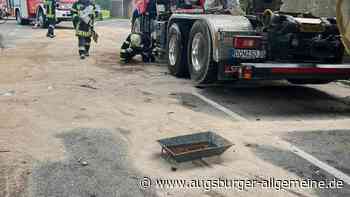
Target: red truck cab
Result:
[27, 11]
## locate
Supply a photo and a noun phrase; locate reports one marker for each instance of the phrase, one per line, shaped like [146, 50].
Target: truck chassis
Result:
[200, 45]
[27, 11]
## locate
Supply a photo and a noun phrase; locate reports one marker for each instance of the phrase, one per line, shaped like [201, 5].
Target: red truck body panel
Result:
[29, 8]
[32, 6]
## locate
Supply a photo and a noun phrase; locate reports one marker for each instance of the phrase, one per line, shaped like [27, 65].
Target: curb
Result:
[344, 82]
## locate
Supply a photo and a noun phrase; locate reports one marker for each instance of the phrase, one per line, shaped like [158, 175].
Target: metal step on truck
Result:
[211, 44]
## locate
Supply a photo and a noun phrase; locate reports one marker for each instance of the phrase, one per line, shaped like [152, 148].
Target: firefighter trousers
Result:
[51, 28]
[51, 17]
[84, 45]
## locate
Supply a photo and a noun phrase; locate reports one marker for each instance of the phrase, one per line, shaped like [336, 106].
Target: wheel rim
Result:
[41, 19]
[172, 50]
[3, 17]
[197, 51]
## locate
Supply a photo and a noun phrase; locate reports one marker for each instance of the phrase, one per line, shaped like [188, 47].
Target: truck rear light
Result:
[232, 70]
[247, 72]
[227, 69]
[247, 42]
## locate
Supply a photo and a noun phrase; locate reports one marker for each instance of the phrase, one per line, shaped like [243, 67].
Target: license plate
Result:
[249, 54]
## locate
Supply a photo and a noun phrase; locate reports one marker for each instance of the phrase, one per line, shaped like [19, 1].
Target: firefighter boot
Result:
[82, 52]
[87, 49]
[82, 56]
[81, 44]
[87, 46]
[50, 31]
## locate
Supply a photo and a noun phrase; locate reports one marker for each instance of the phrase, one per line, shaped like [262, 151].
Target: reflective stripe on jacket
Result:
[82, 29]
[83, 33]
[50, 6]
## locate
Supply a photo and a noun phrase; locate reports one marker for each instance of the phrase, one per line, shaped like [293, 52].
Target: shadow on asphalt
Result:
[96, 166]
[193, 103]
[301, 168]
[64, 27]
[278, 102]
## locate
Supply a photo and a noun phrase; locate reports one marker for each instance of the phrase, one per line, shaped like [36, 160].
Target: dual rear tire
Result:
[191, 56]
[41, 19]
[20, 20]
[177, 52]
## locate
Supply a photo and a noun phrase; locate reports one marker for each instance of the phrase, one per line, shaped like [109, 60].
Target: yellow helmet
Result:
[135, 40]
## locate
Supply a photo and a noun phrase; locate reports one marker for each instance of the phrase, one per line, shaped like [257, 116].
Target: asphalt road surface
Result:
[91, 127]
[97, 165]
[276, 101]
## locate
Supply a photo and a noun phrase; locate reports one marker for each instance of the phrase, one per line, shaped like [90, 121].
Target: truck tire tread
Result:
[180, 67]
[208, 73]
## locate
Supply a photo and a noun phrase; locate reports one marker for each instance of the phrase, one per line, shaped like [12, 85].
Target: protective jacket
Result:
[50, 6]
[83, 12]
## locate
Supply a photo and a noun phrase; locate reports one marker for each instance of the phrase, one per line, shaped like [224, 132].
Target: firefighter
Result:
[50, 6]
[83, 20]
[140, 39]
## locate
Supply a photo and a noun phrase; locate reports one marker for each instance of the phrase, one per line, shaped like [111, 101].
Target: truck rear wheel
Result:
[176, 52]
[41, 19]
[20, 20]
[202, 69]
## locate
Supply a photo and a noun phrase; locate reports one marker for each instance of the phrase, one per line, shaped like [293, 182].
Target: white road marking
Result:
[220, 107]
[331, 170]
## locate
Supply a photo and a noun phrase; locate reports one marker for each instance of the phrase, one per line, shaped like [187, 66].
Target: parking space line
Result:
[331, 170]
[220, 107]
